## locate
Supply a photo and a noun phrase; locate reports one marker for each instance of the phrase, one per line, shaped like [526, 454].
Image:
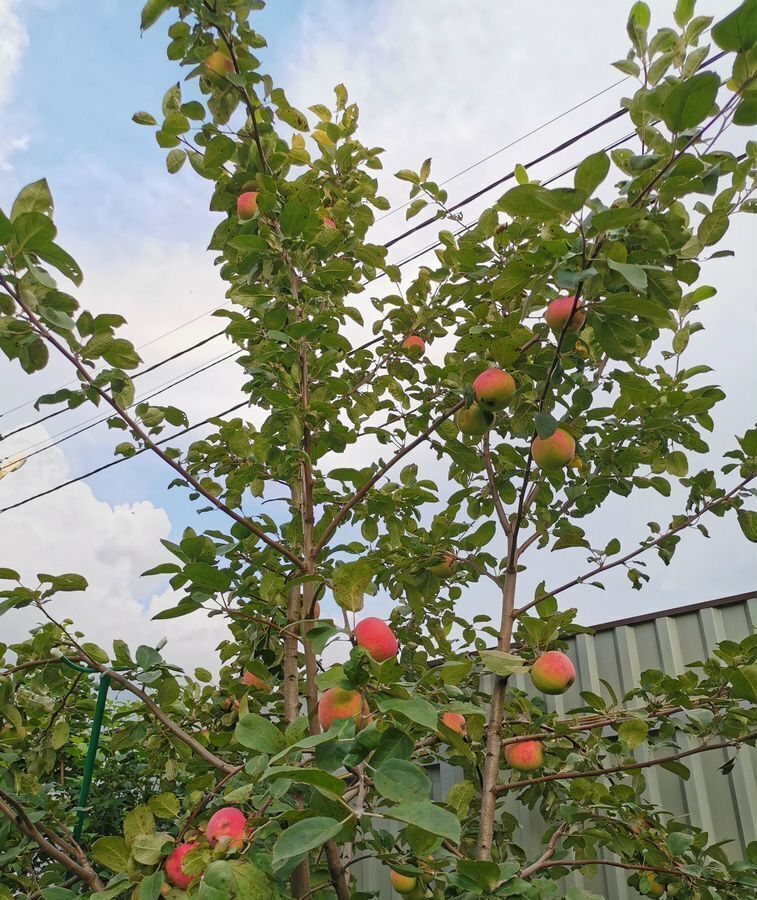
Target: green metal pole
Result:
[89, 765]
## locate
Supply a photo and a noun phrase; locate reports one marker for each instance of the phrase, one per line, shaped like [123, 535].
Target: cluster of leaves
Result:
[325, 365]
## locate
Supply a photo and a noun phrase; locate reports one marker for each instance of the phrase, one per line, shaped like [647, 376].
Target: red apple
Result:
[175, 869]
[474, 420]
[415, 345]
[494, 389]
[251, 680]
[526, 756]
[445, 567]
[329, 223]
[403, 884]
[553, 673]
[555, 451]
[247, 205]
[339, 703]
[226, 828]
[218, 63]
[558, 311]
[377, 638]
[454, 721]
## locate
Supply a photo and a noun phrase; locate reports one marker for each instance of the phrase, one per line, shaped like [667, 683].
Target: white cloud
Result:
[111, 545]
[13, 42]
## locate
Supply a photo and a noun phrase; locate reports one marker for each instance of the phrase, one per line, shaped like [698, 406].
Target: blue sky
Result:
[434, 78]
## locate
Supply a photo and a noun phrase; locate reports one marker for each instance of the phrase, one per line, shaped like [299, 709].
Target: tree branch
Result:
[631, 767]
[137, 429]
[642, 548]
[343, 512]
[496, 498]
[16, 813]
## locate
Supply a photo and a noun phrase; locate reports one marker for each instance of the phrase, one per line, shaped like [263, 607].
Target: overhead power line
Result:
[123, 459]
[184, 431]
[67, 434]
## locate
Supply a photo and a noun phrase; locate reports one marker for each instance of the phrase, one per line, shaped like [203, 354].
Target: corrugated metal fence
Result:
[723, 805]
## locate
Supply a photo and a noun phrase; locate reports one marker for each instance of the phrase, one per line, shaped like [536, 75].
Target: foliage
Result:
[324, 361]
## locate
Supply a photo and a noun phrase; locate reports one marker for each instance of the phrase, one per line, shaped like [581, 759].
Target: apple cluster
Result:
[225, 832]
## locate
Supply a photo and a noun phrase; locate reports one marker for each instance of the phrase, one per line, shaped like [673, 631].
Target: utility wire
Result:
[424, 224]
[387, 245]
[245, 403]
[122, 459]
[91, 423]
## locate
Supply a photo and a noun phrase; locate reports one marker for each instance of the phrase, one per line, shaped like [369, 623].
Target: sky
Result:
[456, 82]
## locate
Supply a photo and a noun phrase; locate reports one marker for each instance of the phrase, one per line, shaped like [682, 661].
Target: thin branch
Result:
[631, 767]
[16, 813]
[543, 860]
[642, 548]
[496, 498]
[137, 429]
[343, 512]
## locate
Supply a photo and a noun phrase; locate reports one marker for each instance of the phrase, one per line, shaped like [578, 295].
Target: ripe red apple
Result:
[445, 567]
[415, 345]
[174, 866]
[247, 205]
[377, 638]
[553, 673]
[219, 63]
[403, 884]
[555, 451]
[251, 680]
[526, 756]
[454, 721]
[226, 828]
[558, 311]
[339, 703]
[329, 223]
[494, 389]
[474, 420]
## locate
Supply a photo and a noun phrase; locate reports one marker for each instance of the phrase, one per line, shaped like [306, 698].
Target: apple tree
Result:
[539, 362]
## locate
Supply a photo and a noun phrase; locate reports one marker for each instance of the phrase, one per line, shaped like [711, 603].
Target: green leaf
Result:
[678, 842]
[112, 853]
[617, 217]
[684, 11]
[9, 575]
[350, 582]
[677, 464]
[399, 779]
[746, 111]
[638, 23]
[327, 784]
[68, 582]
[501, 663]
[417, 710]
[164, 806]
[144, 118]
[175, 160]
[148, 848]
[576, 893]
[592, 172]
[633, 274]
[34, 198]
[302, 837]
[428, 816]
[690, 102]
[295, 215]
[257, 733]
[151, 887]
[61, 260]
[293, 117]
[60, 734]
[537, 202]
[712, 228]
[34, 231]
[208, 577]
[748, 522]
[633, 732]
[546, 425]
[744, 681]
[152, 11]
[677, 768]
[737, 31]
[227, 879]
[459, 798]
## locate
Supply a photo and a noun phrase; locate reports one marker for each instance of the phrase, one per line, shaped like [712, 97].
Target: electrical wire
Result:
[123, 459]
[75, 430]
